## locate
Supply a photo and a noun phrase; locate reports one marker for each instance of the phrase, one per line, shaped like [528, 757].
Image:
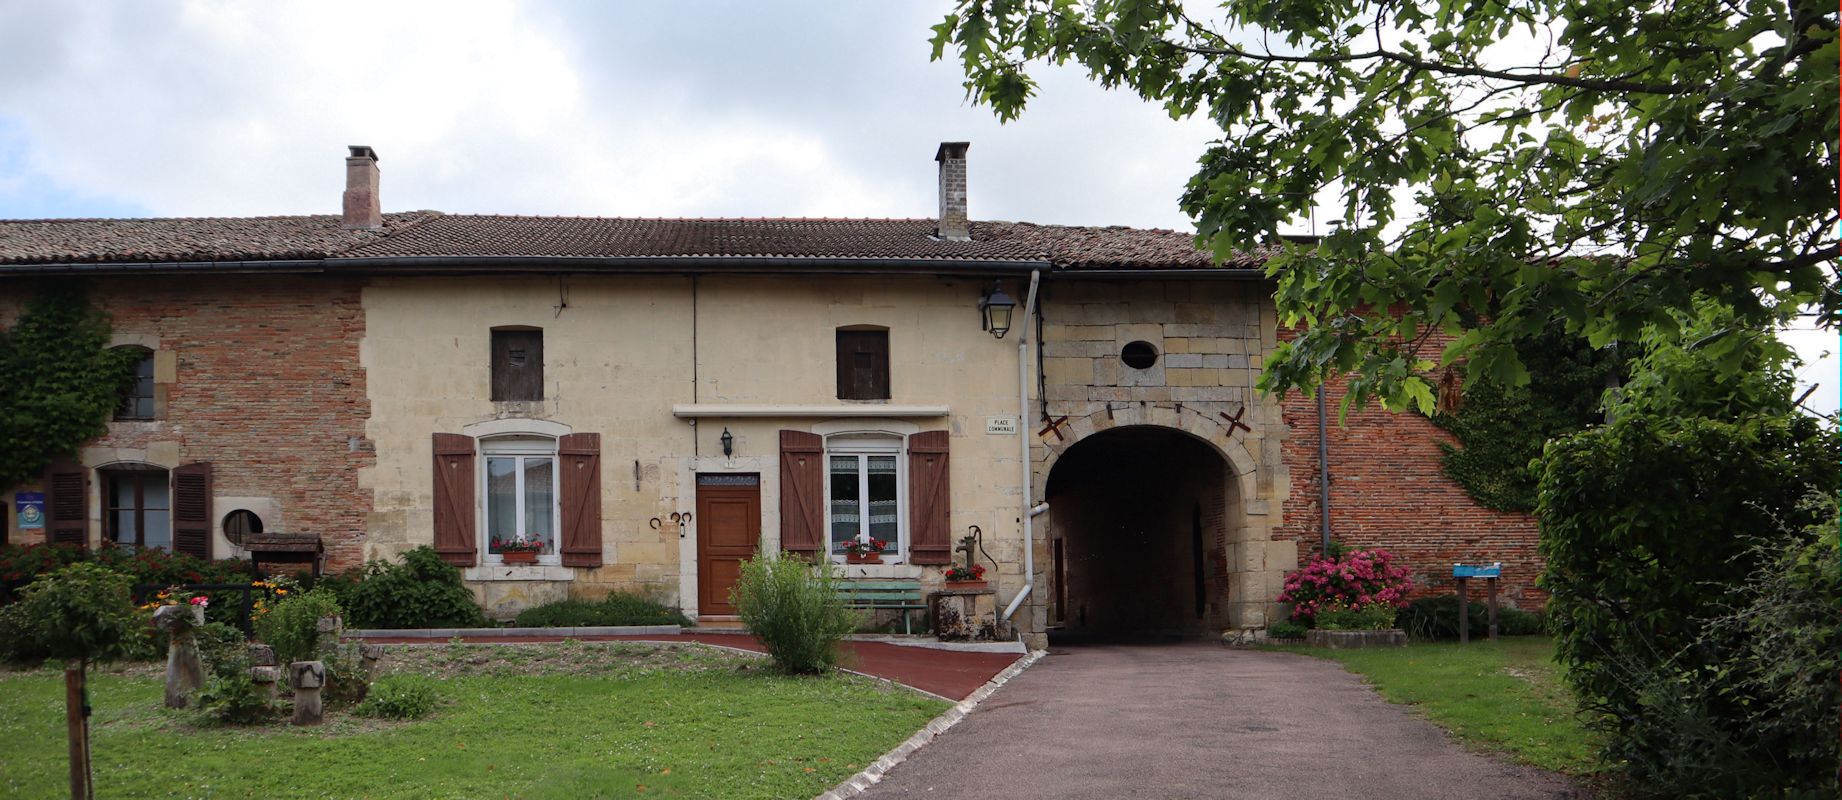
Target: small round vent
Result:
[1139, 355]
[240, 523]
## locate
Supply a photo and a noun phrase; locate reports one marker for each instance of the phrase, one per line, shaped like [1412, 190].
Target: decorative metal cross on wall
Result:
[1235, 420]
[1055, 426]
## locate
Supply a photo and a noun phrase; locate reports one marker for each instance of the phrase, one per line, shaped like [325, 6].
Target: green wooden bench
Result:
[904, 595]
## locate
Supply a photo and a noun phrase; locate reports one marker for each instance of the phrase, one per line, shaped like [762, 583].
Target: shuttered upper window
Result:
[863, 363]
[517, 364]
[138, 401]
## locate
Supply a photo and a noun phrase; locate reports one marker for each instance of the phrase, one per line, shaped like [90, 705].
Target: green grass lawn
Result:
[1506, 697]
[608, 722]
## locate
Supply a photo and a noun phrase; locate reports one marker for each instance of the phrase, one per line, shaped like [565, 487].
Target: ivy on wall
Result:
[59, 380]
[1501, 429]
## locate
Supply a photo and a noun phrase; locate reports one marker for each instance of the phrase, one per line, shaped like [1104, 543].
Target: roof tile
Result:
[41, 241]
[432, 234]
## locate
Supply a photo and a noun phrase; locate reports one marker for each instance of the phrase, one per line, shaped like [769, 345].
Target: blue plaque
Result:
[31, 509]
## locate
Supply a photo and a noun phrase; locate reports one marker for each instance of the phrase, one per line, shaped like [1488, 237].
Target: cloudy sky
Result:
[664, 109]
[707, 109]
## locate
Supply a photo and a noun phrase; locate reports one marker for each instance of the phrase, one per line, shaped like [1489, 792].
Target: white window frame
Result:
[871, 444]
[520, 447]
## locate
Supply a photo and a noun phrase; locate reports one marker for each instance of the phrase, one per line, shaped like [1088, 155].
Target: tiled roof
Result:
[432, 234]
[42, 241]
[590, 237]
[1113, 247]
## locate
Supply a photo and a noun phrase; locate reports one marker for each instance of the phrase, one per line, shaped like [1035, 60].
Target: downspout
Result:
[1023, 449]
[1323, 479]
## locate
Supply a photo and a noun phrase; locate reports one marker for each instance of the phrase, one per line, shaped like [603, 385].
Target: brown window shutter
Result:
[580, 457]
[863, 365]
[802, 492]
[66, 483]
[929, 499]
[454, 482]
[192, 510]
[517, 364]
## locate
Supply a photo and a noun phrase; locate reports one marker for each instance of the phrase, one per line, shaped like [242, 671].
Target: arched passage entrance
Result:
[1138, 518]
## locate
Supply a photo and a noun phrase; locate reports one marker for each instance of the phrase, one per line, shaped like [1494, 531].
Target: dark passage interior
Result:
[1134, 513]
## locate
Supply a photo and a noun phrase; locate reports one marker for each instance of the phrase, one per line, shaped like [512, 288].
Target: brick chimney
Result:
[953, 224]
[361, 205]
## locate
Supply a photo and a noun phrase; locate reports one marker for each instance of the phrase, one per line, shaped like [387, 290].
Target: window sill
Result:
[878, 570]
[843, 409]
[518, 572]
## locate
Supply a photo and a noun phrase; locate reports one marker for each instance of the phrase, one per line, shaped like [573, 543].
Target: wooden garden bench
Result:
[904, 595]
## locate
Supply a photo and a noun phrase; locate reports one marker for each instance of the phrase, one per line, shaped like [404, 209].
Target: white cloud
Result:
[826, 108]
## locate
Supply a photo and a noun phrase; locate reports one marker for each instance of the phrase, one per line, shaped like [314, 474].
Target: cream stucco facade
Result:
[622, 354]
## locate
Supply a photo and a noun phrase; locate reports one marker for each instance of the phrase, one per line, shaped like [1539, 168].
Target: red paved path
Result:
[948, 673]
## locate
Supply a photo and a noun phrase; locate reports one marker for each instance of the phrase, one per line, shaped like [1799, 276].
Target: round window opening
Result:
[240, 523]
[1139, 355]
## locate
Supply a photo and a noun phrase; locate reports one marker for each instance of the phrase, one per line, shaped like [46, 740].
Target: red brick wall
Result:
[1387, 490]
[268, 389]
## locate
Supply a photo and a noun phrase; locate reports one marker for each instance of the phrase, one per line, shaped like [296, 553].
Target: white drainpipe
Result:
[1023, 448]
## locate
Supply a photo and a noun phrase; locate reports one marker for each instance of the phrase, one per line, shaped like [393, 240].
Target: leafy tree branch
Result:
[1507, 170]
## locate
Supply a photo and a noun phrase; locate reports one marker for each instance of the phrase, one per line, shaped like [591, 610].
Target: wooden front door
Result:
[728, 530]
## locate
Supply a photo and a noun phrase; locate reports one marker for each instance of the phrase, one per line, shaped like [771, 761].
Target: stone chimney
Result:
[361, 204]
[953, 225]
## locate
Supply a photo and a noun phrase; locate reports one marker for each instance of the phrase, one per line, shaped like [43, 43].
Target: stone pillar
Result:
[369, 655]
[330, 628]
[307, 677]
[965, 614]
[263, 670]
[185, 672]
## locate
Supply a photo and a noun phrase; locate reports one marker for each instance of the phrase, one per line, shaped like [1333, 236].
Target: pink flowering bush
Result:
[1357, 579]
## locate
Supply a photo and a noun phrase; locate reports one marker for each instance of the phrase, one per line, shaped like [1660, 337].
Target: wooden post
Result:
[1493, 608]
[76, 731]
[1464, 613]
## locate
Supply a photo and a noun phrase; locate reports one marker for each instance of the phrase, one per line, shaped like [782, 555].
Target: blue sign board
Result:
[1477, 571]
[31, 508]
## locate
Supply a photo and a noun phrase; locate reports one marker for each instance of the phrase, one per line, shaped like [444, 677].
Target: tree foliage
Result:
[1507, 169]
[59, 380]
[80, 612]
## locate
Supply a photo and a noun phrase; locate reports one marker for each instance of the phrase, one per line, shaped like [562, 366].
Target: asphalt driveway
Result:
[1204, 721]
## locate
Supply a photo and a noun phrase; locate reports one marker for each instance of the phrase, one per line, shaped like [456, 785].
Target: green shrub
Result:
[1649, 529]
[233, 700]
[18, 644]
[1339, 617]
[793, 607]
[1436, 618]
[292, 626]
[81, 611]
[1286, 629]
[228, 696]
[420, 592]
[618, 608]
[19, 564]
[346, 680]
[400, 697]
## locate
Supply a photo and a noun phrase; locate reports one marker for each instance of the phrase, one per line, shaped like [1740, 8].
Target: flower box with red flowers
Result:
[864, 551]
[517, 551]
[964, 578]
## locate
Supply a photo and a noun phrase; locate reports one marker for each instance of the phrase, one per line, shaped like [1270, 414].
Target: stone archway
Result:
[1169, 500]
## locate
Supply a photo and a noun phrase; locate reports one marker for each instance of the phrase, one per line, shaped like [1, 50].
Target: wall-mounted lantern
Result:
[995, 310]
[729, 443]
